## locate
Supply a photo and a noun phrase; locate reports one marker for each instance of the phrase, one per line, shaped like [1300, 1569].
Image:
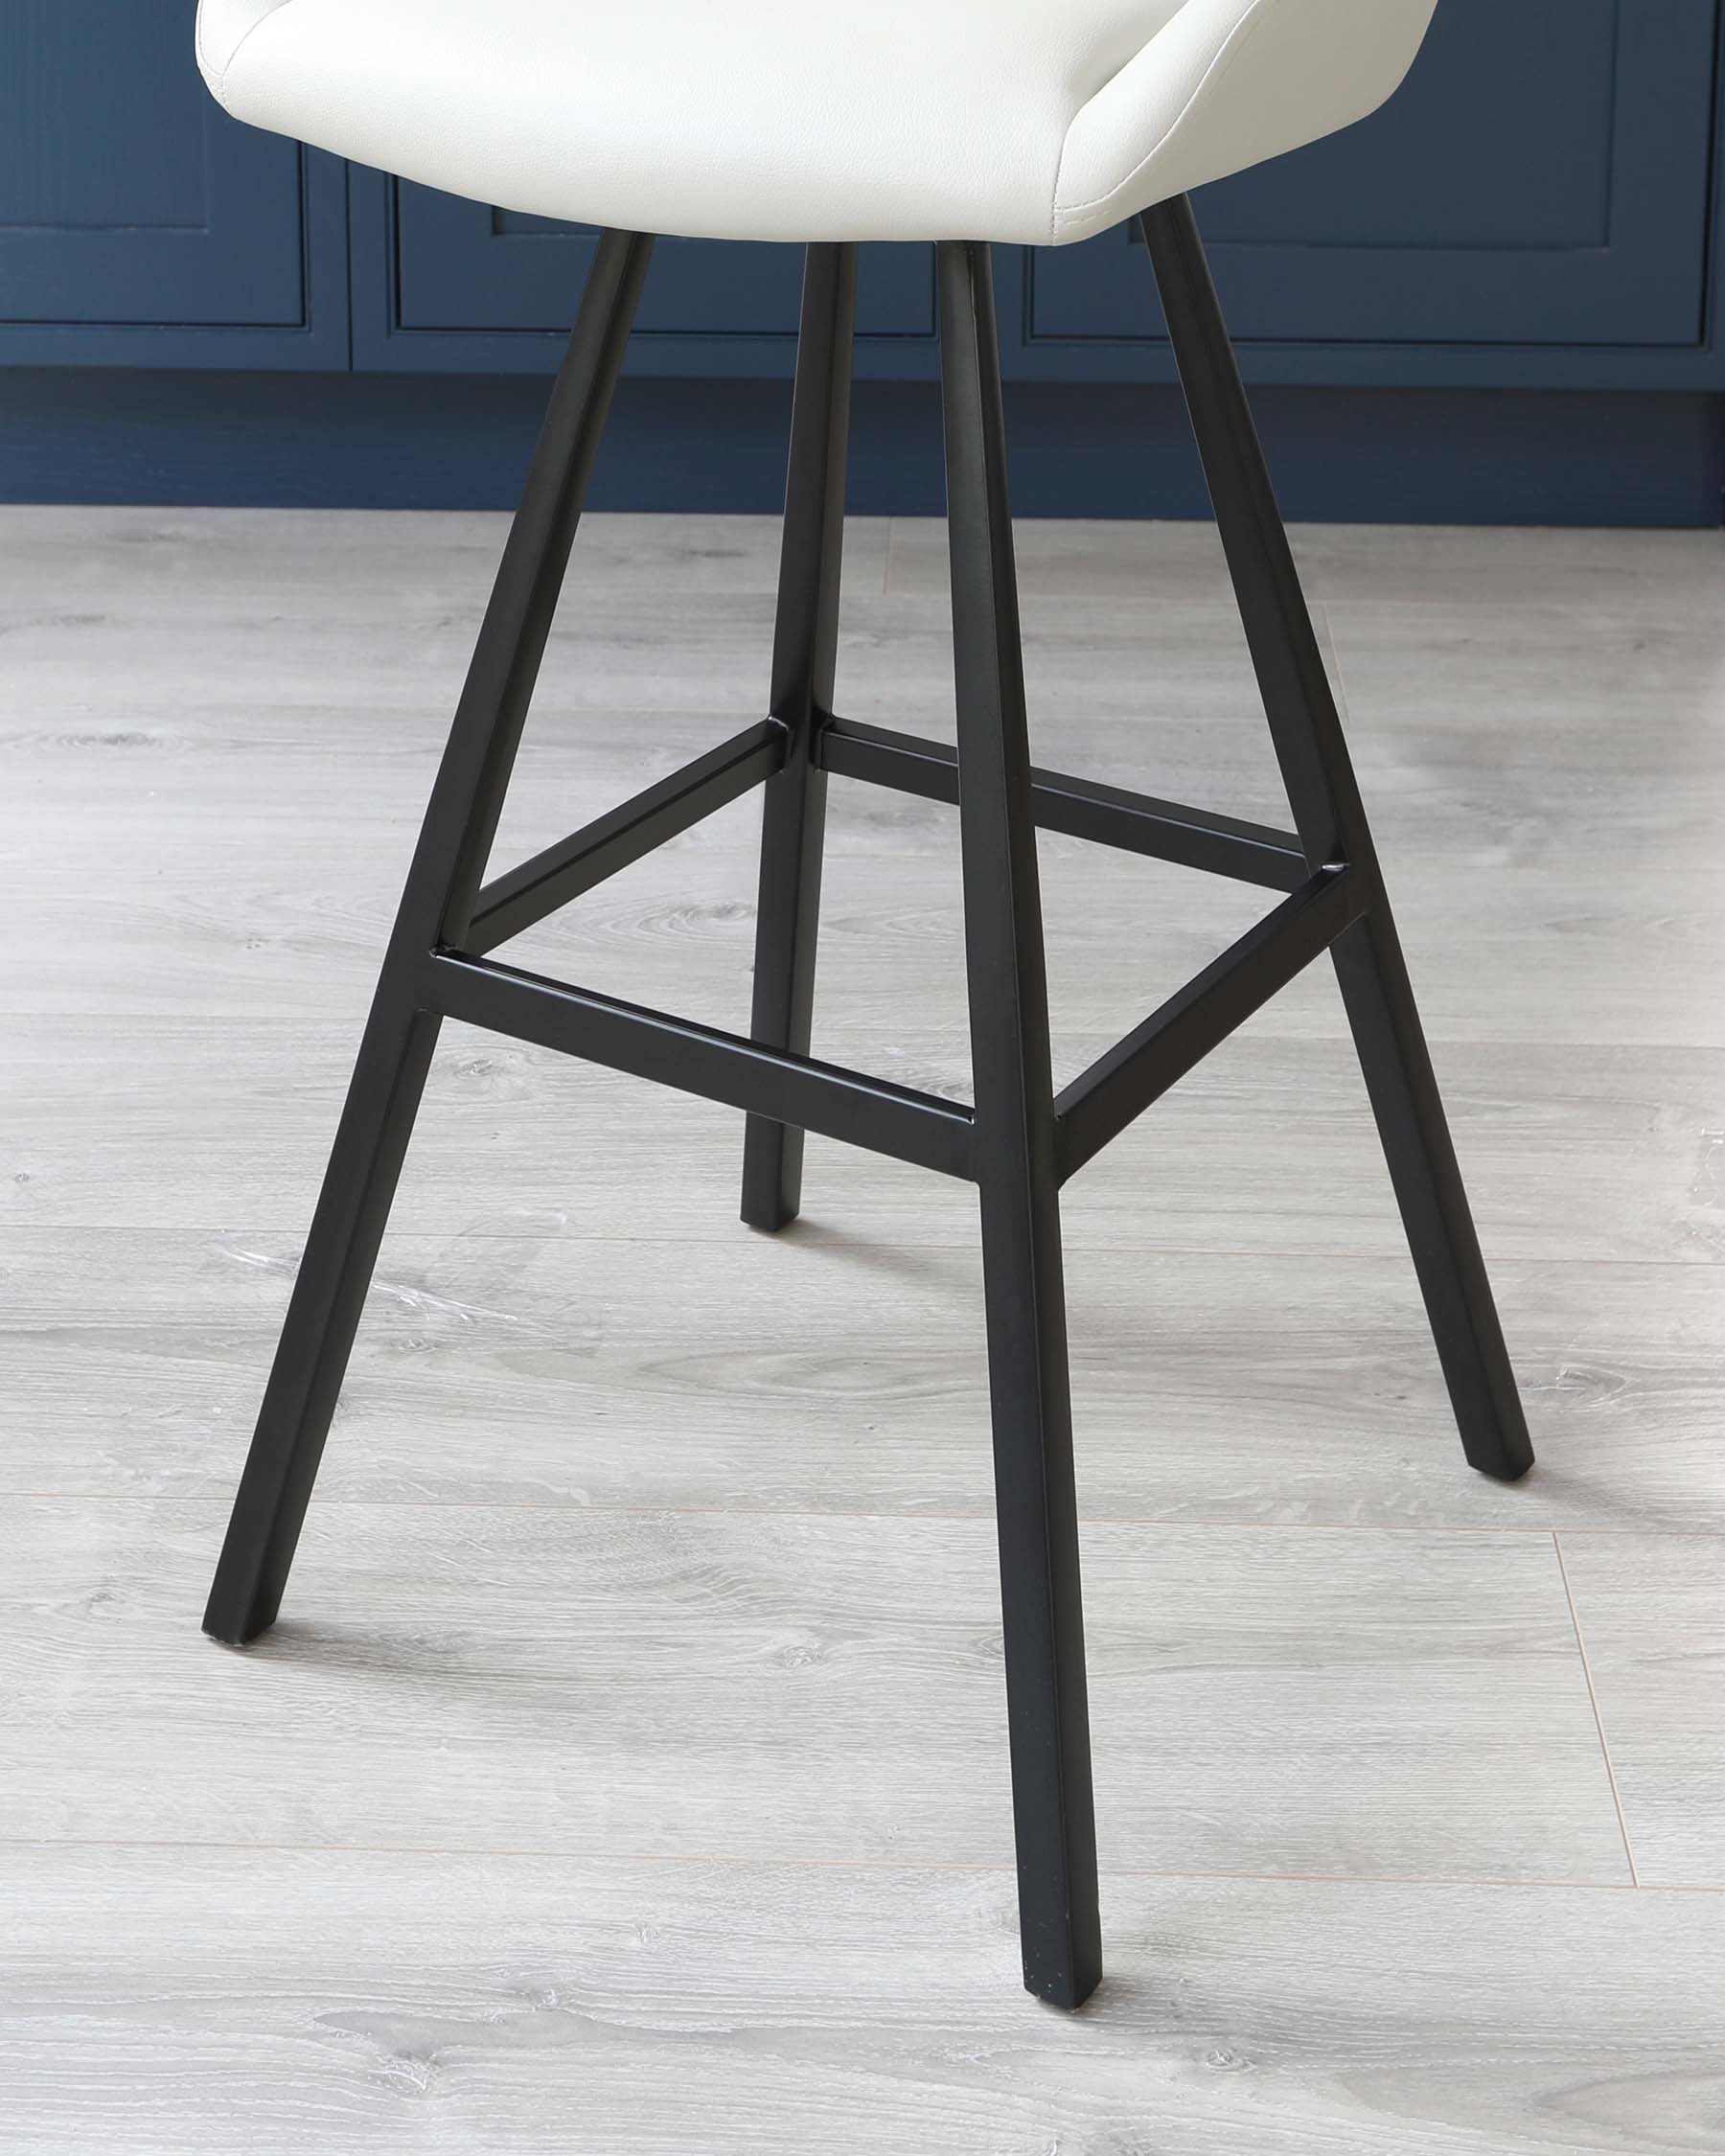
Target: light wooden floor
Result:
[628, 1772]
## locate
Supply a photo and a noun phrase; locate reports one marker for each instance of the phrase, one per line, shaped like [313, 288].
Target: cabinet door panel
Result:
[463, 267]
[1542, 178]
[127, 197]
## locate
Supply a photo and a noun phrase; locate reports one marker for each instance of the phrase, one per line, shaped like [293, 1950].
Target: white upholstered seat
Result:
[1037, 121]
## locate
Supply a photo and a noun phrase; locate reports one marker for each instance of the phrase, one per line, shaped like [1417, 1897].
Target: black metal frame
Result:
[1019, 1141]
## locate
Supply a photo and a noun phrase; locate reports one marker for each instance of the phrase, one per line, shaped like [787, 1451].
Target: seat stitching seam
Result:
[1229, 51]
[222, 82]
[1060, 167]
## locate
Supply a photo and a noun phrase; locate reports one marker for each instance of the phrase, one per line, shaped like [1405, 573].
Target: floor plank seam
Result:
[1534, 1531]
[1594, 1703]
[729, 1860]
[1244, 1254]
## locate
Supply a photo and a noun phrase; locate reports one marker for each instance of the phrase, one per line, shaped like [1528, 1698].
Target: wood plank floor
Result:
[628, 1771]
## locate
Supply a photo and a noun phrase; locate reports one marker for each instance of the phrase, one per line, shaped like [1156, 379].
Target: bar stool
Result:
[963, 123]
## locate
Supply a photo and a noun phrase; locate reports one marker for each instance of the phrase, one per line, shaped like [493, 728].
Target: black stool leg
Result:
[1332, 826]
[436, 907]
[804, 655]
[1015, 1162]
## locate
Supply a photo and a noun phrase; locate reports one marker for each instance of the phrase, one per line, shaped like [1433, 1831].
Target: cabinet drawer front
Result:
[1542, 178]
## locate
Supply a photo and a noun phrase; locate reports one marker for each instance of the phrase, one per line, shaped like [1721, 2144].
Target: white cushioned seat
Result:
[1035, 121]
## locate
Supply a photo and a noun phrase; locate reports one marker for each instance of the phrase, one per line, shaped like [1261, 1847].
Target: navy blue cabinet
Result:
[1542, 178]
[464, 285]
[461, 267]
[1534, 207]
[138, 223]
[1542, 209]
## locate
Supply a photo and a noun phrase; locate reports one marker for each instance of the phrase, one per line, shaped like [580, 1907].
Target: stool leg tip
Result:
[772, 1158]
[768, 1220]
[232, 1623]
[1498, 1445]
[1067, 1991]
[1510, 1468]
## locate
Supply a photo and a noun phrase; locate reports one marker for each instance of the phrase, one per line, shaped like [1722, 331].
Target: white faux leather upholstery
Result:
[1040, 121]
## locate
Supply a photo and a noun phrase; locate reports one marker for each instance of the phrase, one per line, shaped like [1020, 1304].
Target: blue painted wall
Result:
[1498, 298]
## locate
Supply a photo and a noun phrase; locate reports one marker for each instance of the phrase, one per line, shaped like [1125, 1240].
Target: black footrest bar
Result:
[848, 1105]
[515, 901]
[1135, 823]
[1117, 1088]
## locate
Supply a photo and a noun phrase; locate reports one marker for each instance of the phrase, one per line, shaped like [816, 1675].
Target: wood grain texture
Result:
[1657, 575]
[456, 2003]
[628, 1770]
[1600, 911]
[709, 1684]
[372, 563]
[1583, 1153]
[225, 923]
[828, 1371]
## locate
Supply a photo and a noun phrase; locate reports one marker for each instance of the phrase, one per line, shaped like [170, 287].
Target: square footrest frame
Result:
[849, 1105]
